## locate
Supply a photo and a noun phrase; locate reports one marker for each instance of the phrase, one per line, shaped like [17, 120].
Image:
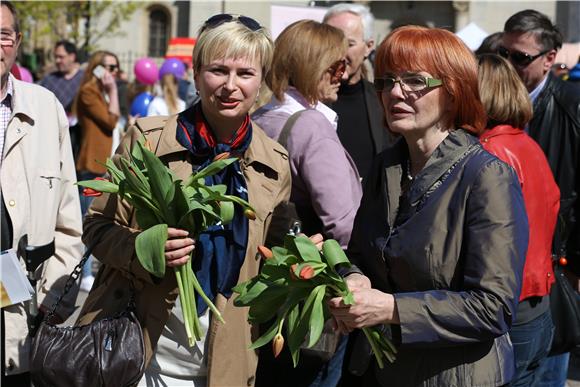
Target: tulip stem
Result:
[375, 348]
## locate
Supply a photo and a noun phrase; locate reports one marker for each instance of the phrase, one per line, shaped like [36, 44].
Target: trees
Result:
[45, 22]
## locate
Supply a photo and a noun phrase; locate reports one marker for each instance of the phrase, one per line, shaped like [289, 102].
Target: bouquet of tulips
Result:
[161, 201]
[292, 288]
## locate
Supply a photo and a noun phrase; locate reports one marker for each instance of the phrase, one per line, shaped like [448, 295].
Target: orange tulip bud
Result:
[249, 214]
[90, 192]
[307, 272]
[147, 145]
[277, 344]
[265, 252]
[222, 156]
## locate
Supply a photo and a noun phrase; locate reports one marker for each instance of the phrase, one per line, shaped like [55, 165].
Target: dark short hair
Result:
[10, 6]
[68, 46]
[547, 34]
[490, 45]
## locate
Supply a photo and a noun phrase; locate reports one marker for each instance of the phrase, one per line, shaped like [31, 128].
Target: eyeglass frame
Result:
[222, 18]
[529, 58]
[429, 83]
[9, 41]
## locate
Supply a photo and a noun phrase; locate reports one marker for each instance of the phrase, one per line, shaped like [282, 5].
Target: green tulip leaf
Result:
[100, 185]
[159, 179]
[145, 218]
[334, 254]
[150, 249]
[317, 316]
[116, 174]
[213, 168]
[266, 337]
[307, 249]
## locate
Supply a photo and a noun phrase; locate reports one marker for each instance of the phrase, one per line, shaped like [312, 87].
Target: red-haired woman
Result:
[442, 268]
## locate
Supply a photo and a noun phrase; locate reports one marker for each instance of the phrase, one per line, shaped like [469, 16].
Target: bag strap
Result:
[285, 133]
[74, 276]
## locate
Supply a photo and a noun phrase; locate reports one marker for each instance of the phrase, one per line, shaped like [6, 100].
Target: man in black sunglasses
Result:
[530, 42]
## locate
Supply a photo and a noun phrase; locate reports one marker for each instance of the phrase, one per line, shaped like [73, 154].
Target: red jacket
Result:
[541, 197]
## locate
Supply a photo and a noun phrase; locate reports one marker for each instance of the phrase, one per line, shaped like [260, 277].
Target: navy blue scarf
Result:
[219, 251]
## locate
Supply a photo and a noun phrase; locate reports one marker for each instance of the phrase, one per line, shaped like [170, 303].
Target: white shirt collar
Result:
[536, 92]
[295, 102]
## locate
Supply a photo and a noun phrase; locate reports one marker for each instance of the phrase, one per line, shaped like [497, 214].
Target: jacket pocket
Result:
[45, 196]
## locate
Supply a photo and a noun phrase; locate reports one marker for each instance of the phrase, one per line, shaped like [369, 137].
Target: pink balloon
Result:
[146, 71]
[25, 75]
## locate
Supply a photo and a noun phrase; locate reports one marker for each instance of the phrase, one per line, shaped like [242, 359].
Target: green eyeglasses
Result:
[407, 83]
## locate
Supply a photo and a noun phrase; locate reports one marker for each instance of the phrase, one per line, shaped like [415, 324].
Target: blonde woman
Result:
[509, 110]
[231, 57]
[168, 102]
[308, 67]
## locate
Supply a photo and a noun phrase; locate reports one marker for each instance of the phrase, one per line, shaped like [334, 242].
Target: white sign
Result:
[282, 16]
[14, 286]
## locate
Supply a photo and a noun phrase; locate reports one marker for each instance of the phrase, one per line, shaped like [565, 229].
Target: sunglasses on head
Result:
[220, 19]
[519, 58]
[337, 70]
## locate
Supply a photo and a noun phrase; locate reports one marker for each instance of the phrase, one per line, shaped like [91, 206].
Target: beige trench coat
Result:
[266, 170]
[37, 179]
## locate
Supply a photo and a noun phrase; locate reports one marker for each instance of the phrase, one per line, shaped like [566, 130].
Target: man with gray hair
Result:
[360, 118]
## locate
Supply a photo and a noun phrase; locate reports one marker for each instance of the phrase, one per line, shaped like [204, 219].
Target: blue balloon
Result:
[140, 104]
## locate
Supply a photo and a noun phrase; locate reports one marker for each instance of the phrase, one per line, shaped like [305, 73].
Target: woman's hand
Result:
[371, 307]
[108, 81]
[178, 247]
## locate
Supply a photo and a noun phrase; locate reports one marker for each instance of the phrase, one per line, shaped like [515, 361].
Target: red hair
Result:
[445, 57]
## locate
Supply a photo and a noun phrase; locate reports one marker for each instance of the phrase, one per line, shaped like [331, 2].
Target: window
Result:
[158, 32]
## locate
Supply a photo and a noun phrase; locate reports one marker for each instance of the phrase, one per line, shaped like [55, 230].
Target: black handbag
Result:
[106, 352]
[565, 309]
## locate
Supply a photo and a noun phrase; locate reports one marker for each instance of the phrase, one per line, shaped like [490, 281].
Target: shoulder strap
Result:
[285, 133]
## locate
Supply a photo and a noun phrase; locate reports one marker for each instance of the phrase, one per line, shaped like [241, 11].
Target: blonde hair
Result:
[169, 88]
[232, 40]
[303, 53]
[502, 92]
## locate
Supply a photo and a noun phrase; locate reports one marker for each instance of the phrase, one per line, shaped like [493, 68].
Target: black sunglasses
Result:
[112, 68]
[220, 19]
[519, 58]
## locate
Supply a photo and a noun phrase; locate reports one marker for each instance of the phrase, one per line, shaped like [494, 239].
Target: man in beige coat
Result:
[39, 198]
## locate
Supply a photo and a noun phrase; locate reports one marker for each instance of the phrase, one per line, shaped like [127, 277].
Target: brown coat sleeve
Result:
[93, 105]
[108, 223]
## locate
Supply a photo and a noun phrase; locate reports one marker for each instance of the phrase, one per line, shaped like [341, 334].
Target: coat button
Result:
[11, 365]
[549, 274]
[251, 380]
[11, 203]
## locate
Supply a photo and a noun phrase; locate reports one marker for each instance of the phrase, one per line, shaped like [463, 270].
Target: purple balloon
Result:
[146, 71]
[172, 66]
[25, 75]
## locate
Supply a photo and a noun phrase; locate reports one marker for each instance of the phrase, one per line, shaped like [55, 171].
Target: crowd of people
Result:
[451, 179]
